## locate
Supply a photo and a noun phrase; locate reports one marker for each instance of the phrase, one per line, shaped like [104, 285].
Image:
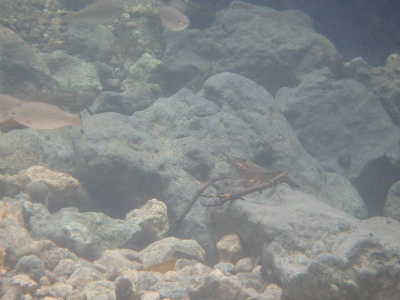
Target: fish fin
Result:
[88, 109]
[80, 125]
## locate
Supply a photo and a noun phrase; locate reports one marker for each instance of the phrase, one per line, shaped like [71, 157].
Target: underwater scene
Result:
[199, 149]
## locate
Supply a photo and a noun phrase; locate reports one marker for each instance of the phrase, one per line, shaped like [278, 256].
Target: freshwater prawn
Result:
[250, 173]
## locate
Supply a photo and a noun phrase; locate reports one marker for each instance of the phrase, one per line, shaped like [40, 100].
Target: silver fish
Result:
[96, 13]
[40, 115]
[6, 103]
[173, 19]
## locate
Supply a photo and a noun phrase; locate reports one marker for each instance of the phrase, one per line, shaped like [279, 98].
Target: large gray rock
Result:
[20, 67]
[392, 204]
[313, 250]
[89, 41]
[252, 123]
[23, 148]
[158, 152]
[90, 234]
[272, 48]
[384, 81]
[86, 234]
[340, 123]
[73, 74]
[162, 250]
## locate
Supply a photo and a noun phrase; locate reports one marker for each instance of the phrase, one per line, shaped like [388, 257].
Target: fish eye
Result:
[179, 21]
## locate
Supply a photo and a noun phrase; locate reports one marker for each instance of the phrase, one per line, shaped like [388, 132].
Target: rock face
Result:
[340, 123]
[315, 251]
[162, 250]
[392, 205]
[91, 42]
[383, 81]
[73, 74]
[271, 48]
[300, 239]
[86, 234]
[135, 158]
[19, 64]
[22, 149]
[230, 249]
[152, 218]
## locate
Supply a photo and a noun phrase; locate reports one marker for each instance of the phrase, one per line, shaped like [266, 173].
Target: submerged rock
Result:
[316, 251]
[230, 249]
[392, 203]
[91, 42]
[20, 66]
[330, 117]
[73, 74]
[63, 190]
[152, 218]
[160, 251]
[272, 48]
[383, 81]
[32, 266]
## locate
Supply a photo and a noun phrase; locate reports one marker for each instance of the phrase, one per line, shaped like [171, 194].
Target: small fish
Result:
[97, 13]
[173, 19]
[40, 115]
[7, 102]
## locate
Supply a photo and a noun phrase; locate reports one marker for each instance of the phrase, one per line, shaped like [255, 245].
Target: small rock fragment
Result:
[230, 249]
[244, 265]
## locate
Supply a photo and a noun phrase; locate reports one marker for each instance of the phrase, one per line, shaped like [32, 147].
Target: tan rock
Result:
[2, 259]
[272, 292]
[27, 285]
[81, 277]
[152, 218]
[63, 289]
[244, 265]
[162, 250]
[229, 288]
[119, 259]
[12, 293]
[151, 296]
[230, 249]
[65, 268]
[99, 290]
[172, 276]
[44, 281]
[45, 291]
[27, 297]
[63, 190]
[18, 240]
[62, 186]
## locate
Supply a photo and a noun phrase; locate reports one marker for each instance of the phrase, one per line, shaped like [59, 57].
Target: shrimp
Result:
[250, 173]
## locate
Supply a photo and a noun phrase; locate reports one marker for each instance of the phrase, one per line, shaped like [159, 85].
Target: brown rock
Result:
[152, 218]
[230, 249]
[81, 277]
[2, 259]
[27, 285]
[65, 268]
[62, 187]
[12, 293]
[120, 259]
[63, 289]
[244, 265]
[230, 287]
[44, 281]
[272, 292]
